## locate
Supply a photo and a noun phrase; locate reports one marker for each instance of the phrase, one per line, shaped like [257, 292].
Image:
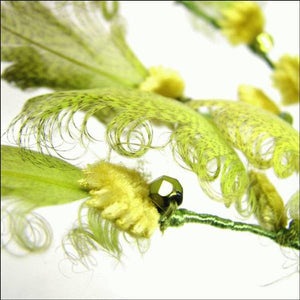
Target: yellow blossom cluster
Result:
[241, 22]
[162, 81]
[286, 78]
[122, 196]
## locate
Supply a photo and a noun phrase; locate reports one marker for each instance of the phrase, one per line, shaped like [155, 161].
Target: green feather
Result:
[91, 233]
[195, 140]
[38, 180]
[30, 180]
[265, 139]
[65, 46]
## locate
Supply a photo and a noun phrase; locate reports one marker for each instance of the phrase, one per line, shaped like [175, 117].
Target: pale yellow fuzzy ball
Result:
[122, 196]
[162, 81]
[241, 22]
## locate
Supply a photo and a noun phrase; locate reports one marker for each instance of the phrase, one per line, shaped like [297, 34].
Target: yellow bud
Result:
[165, 82]
[286, 78]
[257, 97]
[241, 22]
[122, 196]
[269, 207]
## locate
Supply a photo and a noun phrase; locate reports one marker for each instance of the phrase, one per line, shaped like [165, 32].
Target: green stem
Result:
[263, 55]
[190, 5]
[284, 237]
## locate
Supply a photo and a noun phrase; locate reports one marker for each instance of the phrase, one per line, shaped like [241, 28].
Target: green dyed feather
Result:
[23, 231]
[265, 139]
[38, 180]
[91, 233]
[195, 139]
[29, 182]
[65, 45]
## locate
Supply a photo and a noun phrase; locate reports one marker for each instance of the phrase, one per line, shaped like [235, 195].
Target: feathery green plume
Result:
[65, 45]
[265, 139]
[91, 233]
[71, 45]
[196, 140]
[29, 182]
[38, 181]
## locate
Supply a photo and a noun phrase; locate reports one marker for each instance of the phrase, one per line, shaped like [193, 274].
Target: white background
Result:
[194, 261]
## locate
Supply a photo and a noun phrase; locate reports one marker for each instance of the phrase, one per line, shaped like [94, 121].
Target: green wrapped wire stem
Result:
[285, 237]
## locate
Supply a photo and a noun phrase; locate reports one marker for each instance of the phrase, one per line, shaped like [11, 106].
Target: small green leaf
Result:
[38, 179]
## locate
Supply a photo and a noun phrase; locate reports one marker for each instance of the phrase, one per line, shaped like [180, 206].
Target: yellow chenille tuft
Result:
[257, 97]
[286, 78]
[165, 82]
[269, 207]
[122, 196]
[241, 22]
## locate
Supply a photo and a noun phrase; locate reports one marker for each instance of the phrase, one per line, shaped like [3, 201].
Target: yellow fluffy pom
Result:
[286, 78]
[257, 97]
[241, 22]
[269, 207]
[165, 82]
[122, 196]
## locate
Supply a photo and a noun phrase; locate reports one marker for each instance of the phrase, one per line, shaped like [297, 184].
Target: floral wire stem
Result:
[261, 54]
[285, 237]
[200, 13]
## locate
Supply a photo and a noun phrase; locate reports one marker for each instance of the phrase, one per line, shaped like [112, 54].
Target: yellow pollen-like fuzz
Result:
[122, 196]
[165, 82]
[257, 97]
[286, 78]
[269, 207]
[241, 22]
